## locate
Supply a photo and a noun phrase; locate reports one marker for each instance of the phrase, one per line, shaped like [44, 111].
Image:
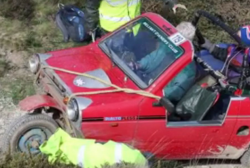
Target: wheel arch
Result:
[32, 103]
[35, 104]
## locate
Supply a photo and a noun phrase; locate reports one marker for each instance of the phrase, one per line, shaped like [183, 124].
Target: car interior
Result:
[204, 101]
[209, 98]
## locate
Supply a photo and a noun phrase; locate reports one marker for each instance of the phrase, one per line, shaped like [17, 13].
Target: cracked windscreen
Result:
[142, 50]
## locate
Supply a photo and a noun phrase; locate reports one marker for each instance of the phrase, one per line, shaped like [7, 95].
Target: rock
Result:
[2, 53]
[1, 122]
[1, 131]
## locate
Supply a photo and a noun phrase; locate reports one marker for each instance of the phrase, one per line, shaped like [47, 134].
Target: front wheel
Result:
[28, 132]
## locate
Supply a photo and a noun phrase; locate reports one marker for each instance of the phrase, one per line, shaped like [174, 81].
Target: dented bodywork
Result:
[227, 151]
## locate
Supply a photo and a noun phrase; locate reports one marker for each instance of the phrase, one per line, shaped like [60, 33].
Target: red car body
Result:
[131, 118]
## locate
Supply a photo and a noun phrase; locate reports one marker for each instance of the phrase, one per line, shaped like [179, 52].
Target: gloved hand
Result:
[173, 4]
[208, 45]
[133, 66]
[179, 6]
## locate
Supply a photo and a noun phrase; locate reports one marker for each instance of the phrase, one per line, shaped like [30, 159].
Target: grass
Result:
[37, 32]
[27, 161]
[20, 160]
[3, 67]
[20, 89]
[17, 88]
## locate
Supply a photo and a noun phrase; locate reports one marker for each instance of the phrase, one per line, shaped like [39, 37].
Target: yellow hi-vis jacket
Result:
[115, 13]
[88, 154]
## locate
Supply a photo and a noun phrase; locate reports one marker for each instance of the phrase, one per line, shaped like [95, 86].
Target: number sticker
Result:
[177, 39]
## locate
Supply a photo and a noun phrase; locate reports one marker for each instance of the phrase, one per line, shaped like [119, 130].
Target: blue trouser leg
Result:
[215, 63]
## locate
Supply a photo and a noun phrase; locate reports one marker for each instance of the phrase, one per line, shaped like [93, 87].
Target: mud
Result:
[229, 152]
[8, 111]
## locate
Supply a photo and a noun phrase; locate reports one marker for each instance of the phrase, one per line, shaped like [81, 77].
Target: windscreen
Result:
[142, 50]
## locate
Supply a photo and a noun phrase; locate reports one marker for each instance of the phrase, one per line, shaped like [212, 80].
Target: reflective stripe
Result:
[111, 17]
[131, 3]
[117, 3]
[115, 19]
[81, 156]
[118, 152]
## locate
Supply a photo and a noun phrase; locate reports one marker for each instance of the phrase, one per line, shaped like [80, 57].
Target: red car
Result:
[97, 106]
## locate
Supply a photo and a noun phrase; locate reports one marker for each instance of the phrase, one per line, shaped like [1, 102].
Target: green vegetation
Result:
[29, 25]
[3, 67]
[20, 89]
[26, 161]
[40, 161]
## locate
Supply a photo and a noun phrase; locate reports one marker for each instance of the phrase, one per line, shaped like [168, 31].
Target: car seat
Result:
[196, 102]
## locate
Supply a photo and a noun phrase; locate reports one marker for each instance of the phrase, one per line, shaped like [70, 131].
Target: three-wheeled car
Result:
[91, 92]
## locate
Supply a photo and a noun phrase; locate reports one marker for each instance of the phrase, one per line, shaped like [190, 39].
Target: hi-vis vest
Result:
[87, 153]
[115, 13]
[109, 153]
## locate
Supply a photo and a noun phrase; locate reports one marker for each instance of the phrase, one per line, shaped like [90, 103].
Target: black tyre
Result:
[28, 132]
[245, 159]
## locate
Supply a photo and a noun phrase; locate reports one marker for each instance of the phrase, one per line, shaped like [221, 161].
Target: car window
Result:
[200, 107]
[142, 50]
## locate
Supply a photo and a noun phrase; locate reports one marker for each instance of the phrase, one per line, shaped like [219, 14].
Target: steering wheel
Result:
[144, 77]
[215, 21]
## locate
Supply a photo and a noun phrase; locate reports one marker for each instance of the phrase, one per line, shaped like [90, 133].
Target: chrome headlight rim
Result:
[34, 62]
[73, 110]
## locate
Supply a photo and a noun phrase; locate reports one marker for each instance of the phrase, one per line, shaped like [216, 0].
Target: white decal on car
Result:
[177, 38]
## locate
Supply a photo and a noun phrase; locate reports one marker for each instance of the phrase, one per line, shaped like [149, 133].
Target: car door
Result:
[240, 139]
[184, 140]
[112, 120]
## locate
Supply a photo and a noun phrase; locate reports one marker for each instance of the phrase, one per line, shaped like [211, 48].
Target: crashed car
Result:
[91, 92]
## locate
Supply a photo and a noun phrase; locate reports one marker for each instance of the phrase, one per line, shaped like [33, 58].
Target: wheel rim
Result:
[32, 139]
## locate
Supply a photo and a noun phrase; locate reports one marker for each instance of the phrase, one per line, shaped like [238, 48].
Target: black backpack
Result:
[70, 20]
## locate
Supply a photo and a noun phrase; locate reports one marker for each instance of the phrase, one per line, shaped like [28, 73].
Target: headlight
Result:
[34, 63]
[73, 110]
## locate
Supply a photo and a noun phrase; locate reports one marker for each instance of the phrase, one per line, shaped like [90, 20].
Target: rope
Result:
[117, 88]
